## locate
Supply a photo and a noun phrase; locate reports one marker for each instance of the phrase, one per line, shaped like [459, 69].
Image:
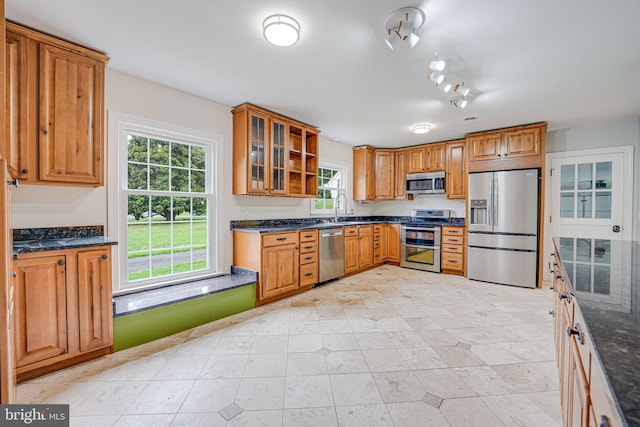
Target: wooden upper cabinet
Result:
[20, 81]
[518, 147]
[55, 110]
[364, 162]
[426, 158]
[400, 169]
[384, 175]
[273, 155]
[456, 179]
[71, 117]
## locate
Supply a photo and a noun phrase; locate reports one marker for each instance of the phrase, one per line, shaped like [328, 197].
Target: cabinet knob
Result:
[576, 331]
[553, 254]
[61, 262]
[25, 171]
[15, 274]
[105, 256]
[604, 421]
[564, 296]
[552, 312]
[13, 182]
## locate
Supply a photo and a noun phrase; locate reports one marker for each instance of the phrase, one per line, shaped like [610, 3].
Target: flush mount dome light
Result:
[421, 128]
[281, 30]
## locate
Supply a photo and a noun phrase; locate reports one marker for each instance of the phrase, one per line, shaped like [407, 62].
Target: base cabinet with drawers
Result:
[585, 397]
[286, 262]
[453, 250]
[63, 309]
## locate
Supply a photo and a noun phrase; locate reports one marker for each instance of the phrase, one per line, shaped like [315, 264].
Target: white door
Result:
[591, 206]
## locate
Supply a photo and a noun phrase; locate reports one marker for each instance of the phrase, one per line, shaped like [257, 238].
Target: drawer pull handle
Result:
[577, 330]
[308, 275]
[308, 258]
[308, 247]
[452, 261]
[281, 239]
[452, 249]
[564, 296]
[308, 236]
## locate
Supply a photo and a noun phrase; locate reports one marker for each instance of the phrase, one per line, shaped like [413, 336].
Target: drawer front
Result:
[377, 245]
[309, 274]
[453, 231]
[456, 249]
[377, 228]
[351, 231]
[306, 247]
[456, 240]
[377, 256]
[308, 258]
[452, 262]
[308, 236]
[279, 239]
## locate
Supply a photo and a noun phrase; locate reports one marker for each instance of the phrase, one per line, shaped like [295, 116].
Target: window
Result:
[331, 182]
[166, 207]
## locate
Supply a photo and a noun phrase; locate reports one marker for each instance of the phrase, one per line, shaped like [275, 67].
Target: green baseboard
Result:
[138, 328]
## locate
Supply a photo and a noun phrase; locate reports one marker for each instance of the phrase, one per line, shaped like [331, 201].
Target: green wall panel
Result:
[145, 326]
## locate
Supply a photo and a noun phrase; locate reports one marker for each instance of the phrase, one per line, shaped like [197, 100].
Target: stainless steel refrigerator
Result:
[503, 227]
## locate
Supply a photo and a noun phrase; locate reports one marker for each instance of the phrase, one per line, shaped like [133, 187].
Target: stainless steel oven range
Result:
[421, 239]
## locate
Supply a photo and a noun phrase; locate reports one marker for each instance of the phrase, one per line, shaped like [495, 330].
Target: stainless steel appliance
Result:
[503, 227]
[425, 183]
[331, 254]
[421, 239]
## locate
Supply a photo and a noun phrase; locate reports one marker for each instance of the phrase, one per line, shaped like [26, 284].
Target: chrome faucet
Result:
[339, 196]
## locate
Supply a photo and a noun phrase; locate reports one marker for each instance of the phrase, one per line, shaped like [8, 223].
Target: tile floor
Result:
[387, 347]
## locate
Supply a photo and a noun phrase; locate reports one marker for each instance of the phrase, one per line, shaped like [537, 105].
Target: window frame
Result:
[120, 126]
[343, 172]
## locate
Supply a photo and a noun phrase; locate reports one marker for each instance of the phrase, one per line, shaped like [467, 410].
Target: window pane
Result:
[138, 238]
[159, 152]
[566, 205]
[160, 235]
[179, 155]
[603, 175]
[159, 178]
[198, 184]
[583, 210]
[602, 251]
[181, 234]
[569, 266]
[137, 176]
[137, 207]
[182, 208]
[583, 250]
[566, 249]
[583, 277]
[161, 208]
[137, 149]
[601, 279]
[198, 155]
[179, 180]
[585, 176]
[603, 204]
[567, 177]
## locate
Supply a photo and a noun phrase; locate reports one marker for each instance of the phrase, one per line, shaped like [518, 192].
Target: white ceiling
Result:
[567, 62]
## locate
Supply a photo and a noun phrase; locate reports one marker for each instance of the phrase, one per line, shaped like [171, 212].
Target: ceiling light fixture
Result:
[281, 30]
[436, 64]
[401, 26]
[445, 85]
[435, 77]
[461, 89]
[459, 102]
[421, 128]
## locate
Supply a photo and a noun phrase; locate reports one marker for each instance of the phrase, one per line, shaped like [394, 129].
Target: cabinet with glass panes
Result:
[272, 154]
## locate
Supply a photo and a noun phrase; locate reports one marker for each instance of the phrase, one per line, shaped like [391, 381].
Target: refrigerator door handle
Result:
[495, 201]
[490, 201]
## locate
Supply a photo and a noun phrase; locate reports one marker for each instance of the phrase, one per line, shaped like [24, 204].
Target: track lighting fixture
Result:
[459, 101]
[401, 26]
[446, 84]
[461, 89]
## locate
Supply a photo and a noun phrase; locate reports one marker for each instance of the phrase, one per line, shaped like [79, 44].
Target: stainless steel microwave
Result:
[425, 183]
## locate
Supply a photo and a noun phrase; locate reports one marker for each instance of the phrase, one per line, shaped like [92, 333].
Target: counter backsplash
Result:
[52, 233]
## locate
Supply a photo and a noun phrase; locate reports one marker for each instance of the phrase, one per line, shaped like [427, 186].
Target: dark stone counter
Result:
[276, 225]
[58, 238]
[605, 278]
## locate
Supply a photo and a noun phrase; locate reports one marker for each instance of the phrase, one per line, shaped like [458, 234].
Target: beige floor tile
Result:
[338, 326]
[224, 366]
[110, 398]
[517, 410]
[310, 417]
[306, 364]
[406, 339]
[268, 344]
[458, 356]
[93, 421]
[373, 341]
[549, 402]
[304, 343]
[438, 338]
[494, 354]
[469, 412]
[265, 365]
[150, 420]
[255, 394]
[416, 414]
[484, 380]
[346, 362]
[422, 358]
[308, 392]
[198, 420]
[354, 389]
[401, 386]
[234, 345]
[337, 342]
[161, 397]
[444, 383]
[385, 360]
[530, 377]
[181, 367]
[210, 395]
[364, 416]
[257, 419]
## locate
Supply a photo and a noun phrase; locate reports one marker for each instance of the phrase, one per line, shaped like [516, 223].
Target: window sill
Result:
[148, 299]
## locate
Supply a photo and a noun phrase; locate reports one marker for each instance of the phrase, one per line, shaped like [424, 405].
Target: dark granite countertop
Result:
[58, 238]
[276, 225]
[610, 305]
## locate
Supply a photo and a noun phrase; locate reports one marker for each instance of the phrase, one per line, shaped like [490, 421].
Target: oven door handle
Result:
[421, 228]
[420, 246]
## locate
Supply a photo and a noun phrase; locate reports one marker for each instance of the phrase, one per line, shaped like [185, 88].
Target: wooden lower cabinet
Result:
[351, 245]
[585, 396]
[365, 246]
[391, 242]
[63, 309]
[453, 250]
[287, 262]
[358, 248]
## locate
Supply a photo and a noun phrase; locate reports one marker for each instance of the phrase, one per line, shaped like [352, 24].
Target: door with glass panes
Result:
[590, 208]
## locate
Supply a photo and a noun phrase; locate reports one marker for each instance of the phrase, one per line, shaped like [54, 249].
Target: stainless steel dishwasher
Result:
[331, 254]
